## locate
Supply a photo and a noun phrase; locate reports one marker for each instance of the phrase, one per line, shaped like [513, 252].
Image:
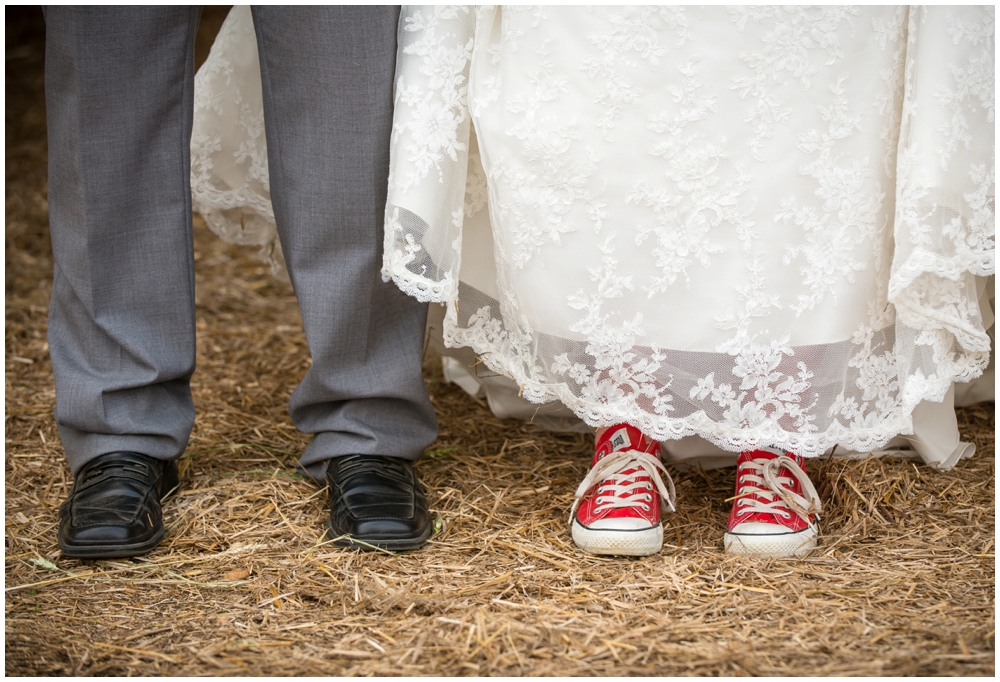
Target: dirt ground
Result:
[903, 583]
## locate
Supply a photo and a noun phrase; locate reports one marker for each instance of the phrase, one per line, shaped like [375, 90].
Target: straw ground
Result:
[245, 582]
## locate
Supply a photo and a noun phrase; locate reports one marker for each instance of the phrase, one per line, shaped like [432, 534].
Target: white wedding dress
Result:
[758, 226]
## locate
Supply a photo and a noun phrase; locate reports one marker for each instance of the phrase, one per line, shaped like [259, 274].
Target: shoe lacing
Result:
[618, 490]
[763, 480]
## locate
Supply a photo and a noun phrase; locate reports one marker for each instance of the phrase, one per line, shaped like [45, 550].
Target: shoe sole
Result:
[776, 546]
[618, 542]
[380, 544]
[111, 551]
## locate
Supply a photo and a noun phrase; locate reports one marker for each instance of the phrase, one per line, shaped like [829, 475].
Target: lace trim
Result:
[230, 184]
[916, 389]
[922, 261]
[420, 288]
[400, 251]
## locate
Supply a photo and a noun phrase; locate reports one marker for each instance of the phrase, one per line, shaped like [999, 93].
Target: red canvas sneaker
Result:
[776, 507]
[617, 506]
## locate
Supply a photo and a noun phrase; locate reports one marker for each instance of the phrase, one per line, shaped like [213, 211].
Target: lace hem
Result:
[249, 229]
[401, 252]
[728, 438]
[230, 184]
[420, 288]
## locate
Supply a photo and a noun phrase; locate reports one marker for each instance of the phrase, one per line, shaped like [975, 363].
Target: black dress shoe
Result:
[376, 501]
[114, 508]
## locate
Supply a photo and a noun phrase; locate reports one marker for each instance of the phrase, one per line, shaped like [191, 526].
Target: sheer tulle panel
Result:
[229, 175]
[430, 152]
[945, 226]
[733, 416]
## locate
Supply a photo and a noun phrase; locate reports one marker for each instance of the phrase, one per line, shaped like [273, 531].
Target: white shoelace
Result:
[777, 489]
[609, 470]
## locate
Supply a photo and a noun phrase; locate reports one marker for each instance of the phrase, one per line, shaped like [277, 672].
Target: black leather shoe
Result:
[114, 508]
[376, 500]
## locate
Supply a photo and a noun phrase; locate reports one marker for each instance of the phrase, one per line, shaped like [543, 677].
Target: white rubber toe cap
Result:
[775, 541]
[643, 542]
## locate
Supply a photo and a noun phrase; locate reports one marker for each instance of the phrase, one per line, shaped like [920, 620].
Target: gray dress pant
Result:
[119, 87]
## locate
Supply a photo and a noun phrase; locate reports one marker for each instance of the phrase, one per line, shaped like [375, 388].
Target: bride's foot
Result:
[776, 507]
[617, 506]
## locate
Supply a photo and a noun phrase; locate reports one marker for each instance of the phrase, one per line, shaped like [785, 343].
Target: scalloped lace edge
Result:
[420, 288]
[729, 438]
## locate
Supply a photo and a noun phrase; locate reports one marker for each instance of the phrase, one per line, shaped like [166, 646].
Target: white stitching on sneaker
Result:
[608, 472]
[778, 489]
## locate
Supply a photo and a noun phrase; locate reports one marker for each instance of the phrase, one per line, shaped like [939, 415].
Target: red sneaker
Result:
[617, 506]
[776, 507]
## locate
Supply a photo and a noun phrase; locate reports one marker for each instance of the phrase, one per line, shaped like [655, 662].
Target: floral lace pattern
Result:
[758, 225]
[229, 178]
[430, 147]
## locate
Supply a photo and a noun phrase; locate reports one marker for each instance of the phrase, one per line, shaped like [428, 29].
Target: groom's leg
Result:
[119, 90]
[327, 75]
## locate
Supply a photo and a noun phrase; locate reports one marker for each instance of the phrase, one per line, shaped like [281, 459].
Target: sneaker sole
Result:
[776, 546]
[618, 542]
[377, 544]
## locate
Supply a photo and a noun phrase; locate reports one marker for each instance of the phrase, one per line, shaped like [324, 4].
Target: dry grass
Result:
[244, 584]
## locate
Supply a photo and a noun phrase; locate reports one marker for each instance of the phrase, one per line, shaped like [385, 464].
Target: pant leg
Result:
[119, 87]
[327, 76]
